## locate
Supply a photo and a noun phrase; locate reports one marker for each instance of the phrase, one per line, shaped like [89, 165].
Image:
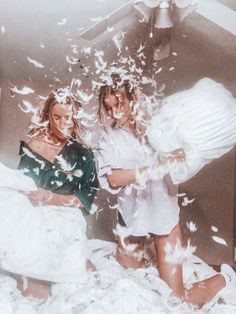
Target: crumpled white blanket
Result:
[113, 289]
[201, 120]
[44, 242]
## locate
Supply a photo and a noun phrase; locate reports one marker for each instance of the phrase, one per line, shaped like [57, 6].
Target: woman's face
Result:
[61, 121]
[117, 106]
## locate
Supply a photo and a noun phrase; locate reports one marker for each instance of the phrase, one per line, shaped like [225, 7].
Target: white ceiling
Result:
[30, 25]
[47, 31]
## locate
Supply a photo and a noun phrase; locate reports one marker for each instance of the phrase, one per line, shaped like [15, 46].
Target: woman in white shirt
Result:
[126, 167]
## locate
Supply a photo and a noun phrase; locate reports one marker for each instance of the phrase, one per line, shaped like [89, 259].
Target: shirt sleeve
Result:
[89, 187]
[106, 160]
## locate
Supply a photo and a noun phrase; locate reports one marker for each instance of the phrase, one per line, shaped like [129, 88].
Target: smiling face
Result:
[61, 120]
[117, 106]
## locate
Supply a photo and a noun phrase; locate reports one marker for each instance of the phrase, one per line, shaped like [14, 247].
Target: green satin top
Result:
[72, 172]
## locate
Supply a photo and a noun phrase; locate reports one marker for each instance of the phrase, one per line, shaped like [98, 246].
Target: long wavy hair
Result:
[40, 123]
[139, 112]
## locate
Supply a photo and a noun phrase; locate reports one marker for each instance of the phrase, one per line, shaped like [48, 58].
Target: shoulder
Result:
[27, 148]
[22, 146]
[110, 135]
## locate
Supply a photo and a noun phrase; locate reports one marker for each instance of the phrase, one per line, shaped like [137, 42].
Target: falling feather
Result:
[27, 107]
[181, 194]
[87, 50]
[141, 48]
[123, 233]
[187, 201]
[84, 96]
[74, 49]
[96, 19]
[115, 206]
[76, 82]
[214, 229]
[219, 240]
[23, 91]
[100, 66]
[29, 154]
[71, 60]
[177, 254]
[110, 29]
[191, 226]
[35, 63]
[64, 164]
[62, 22]
[3, 29]
[93, 209]
[158, 71]
[118, 40]
[78, 173]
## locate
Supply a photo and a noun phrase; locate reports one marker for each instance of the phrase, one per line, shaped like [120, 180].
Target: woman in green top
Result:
[64, 172]
[62, 168]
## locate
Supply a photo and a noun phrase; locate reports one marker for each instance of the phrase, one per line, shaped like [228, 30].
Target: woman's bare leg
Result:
[201, 292]
[169, 272]
[37, 288]
[204, 291]
[90, 266]
[134, 258]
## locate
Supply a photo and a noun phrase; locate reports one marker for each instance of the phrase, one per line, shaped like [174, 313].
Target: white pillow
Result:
[14, 179]
[201, 120]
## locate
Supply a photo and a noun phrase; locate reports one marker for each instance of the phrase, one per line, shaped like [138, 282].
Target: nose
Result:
[114, 112]
[63, 123]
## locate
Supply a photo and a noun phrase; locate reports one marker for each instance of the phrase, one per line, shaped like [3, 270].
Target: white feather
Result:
[23, 91]
[62, 22]
[71, 60]
[35, 63]
[219, 240]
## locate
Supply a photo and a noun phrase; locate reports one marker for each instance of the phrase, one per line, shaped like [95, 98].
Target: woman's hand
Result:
[40, 197]
[46, 197]
[177, 155]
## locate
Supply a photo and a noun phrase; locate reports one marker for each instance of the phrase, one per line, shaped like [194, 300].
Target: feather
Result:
[23, 91]
[219, 240]
[35, 63]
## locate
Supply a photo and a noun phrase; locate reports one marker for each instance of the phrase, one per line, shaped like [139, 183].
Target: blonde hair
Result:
[59, 96]
[139, 110]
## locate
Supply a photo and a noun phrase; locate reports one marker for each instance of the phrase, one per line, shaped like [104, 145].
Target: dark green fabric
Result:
[80, 181]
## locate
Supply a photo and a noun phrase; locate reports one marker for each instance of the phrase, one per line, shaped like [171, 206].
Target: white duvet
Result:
[44, 242]
[48, 243]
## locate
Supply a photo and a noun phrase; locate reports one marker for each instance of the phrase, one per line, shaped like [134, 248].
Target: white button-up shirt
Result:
[144, 210]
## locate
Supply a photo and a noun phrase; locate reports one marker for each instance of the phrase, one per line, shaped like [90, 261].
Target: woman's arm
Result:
[177, 155]
[122, 177]
[46, 197]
